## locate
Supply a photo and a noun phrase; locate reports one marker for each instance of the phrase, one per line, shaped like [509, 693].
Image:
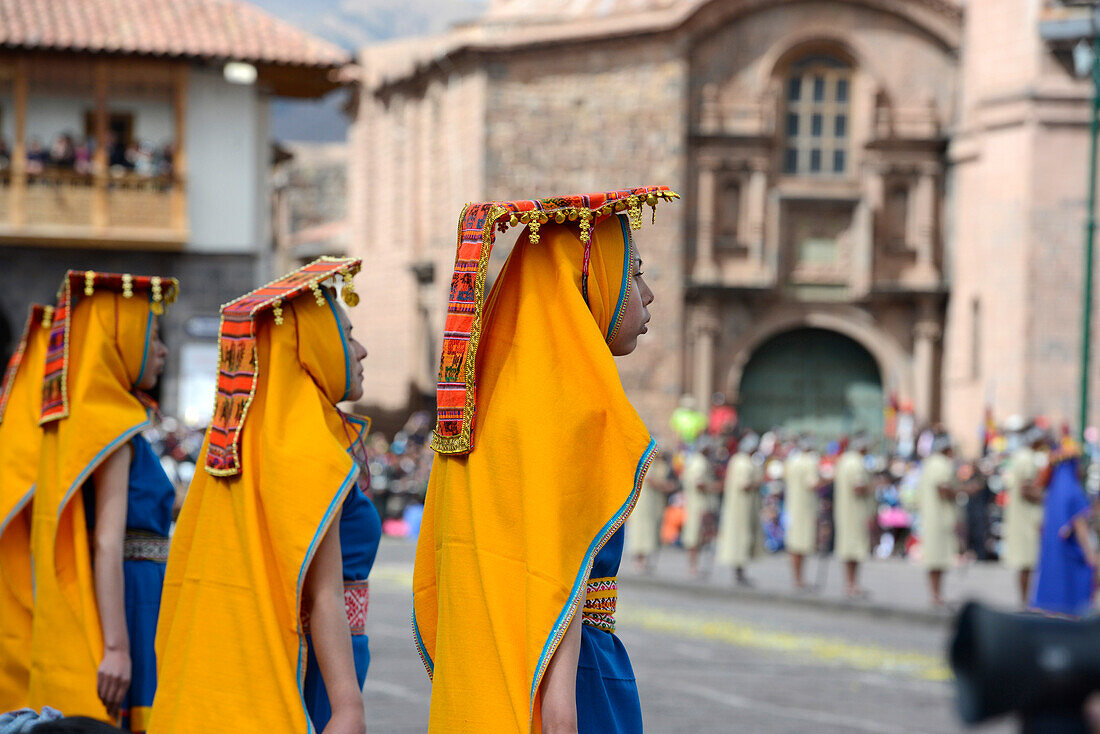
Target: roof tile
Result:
[218, 29]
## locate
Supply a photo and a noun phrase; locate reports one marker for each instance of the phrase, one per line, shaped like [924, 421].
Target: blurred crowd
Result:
[693, 517]
[68, 153]
[398, 467]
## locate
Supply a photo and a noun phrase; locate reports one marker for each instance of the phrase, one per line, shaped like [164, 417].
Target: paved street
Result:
[707, 662]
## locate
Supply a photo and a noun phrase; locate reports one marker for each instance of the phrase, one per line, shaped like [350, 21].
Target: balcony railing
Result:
[63, 206]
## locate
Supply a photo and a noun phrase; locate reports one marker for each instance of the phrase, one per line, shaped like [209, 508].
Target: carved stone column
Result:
[705, 327]
[756, 211]
[926, 332]
[706, 269]
[921, 227]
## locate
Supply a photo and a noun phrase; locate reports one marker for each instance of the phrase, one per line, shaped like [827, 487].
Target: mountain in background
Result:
[353, 24]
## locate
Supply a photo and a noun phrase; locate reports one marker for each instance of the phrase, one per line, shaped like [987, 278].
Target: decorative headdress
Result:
[159, 291]
[477, 227]
[238, 369]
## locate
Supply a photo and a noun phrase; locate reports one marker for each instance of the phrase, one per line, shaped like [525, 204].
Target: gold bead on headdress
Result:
[89, 282]
[559, 217]
[277, 312]
[533, 231]
[47, 316]
[158, 296]
[348, 292]
[317, 294]
[127, 286]
[586, 225]
[513, 220]
[634, 211]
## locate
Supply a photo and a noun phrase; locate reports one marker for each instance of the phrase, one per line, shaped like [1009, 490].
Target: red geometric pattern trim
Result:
[356, 603]
[34, 319]
[600, 601]
[55, 391]
[237, 365]
[477, 226]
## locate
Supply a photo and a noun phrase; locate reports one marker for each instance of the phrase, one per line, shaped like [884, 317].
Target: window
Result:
[728, 213]
[896, 216]
[817, 117]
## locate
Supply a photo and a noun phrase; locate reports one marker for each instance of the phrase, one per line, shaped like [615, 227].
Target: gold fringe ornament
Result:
[158, 295]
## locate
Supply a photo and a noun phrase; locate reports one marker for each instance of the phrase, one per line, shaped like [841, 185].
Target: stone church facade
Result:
[883, 199]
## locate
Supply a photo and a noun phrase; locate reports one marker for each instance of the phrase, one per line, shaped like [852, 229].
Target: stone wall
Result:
[415, 160]
[1020, 156]
[597, 117]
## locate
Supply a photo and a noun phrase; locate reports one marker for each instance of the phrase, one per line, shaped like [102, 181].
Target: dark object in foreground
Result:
[75, 725]
[1042, 668]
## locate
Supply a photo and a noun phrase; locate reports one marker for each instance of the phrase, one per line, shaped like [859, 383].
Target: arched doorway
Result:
[812, 380]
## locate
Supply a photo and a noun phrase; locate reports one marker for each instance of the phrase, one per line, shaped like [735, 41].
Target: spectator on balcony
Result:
[116, 154]
[63, 152]
[141, 157]
[83, 157]
[163, 160]
[37, 157]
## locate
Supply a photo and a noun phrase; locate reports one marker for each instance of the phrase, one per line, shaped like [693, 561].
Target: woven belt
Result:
[356, 601]
[142, 545]
[599, 603]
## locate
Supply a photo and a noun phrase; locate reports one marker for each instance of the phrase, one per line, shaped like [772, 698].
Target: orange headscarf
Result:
[20, 403]
[229, 648]
[102, 339]
[511, 529]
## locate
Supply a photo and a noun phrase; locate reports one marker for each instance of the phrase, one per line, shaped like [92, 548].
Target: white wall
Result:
[227, 163]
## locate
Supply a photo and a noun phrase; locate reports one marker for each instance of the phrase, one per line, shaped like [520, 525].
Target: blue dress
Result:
[607, 694]
[360, 534]
[1063, 583]
[148, 519]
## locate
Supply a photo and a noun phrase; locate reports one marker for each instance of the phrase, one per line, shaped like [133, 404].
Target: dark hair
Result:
[75, 725]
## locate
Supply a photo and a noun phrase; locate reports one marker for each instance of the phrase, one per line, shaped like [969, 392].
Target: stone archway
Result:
[811, 380]
[894, 362]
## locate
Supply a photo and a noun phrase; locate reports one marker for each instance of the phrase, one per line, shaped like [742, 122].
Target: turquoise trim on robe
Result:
[360, 534]
[149, 501]
[607, 693]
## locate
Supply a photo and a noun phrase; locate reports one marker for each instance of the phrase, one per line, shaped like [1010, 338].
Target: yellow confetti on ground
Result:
[818, 647]
[394, 576]
[398, 577]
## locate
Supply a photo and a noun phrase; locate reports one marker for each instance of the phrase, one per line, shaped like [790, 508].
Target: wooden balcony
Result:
[106, 205]
[62, 207]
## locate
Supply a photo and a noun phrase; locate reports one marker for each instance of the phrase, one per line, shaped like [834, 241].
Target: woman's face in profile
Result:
[358, 354]
[636, 316]
[155, 360]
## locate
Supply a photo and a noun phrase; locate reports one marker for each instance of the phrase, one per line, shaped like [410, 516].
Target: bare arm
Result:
[177, 503]
[112, 480]
[1081, 533]
[559, 685]
[324, 595]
